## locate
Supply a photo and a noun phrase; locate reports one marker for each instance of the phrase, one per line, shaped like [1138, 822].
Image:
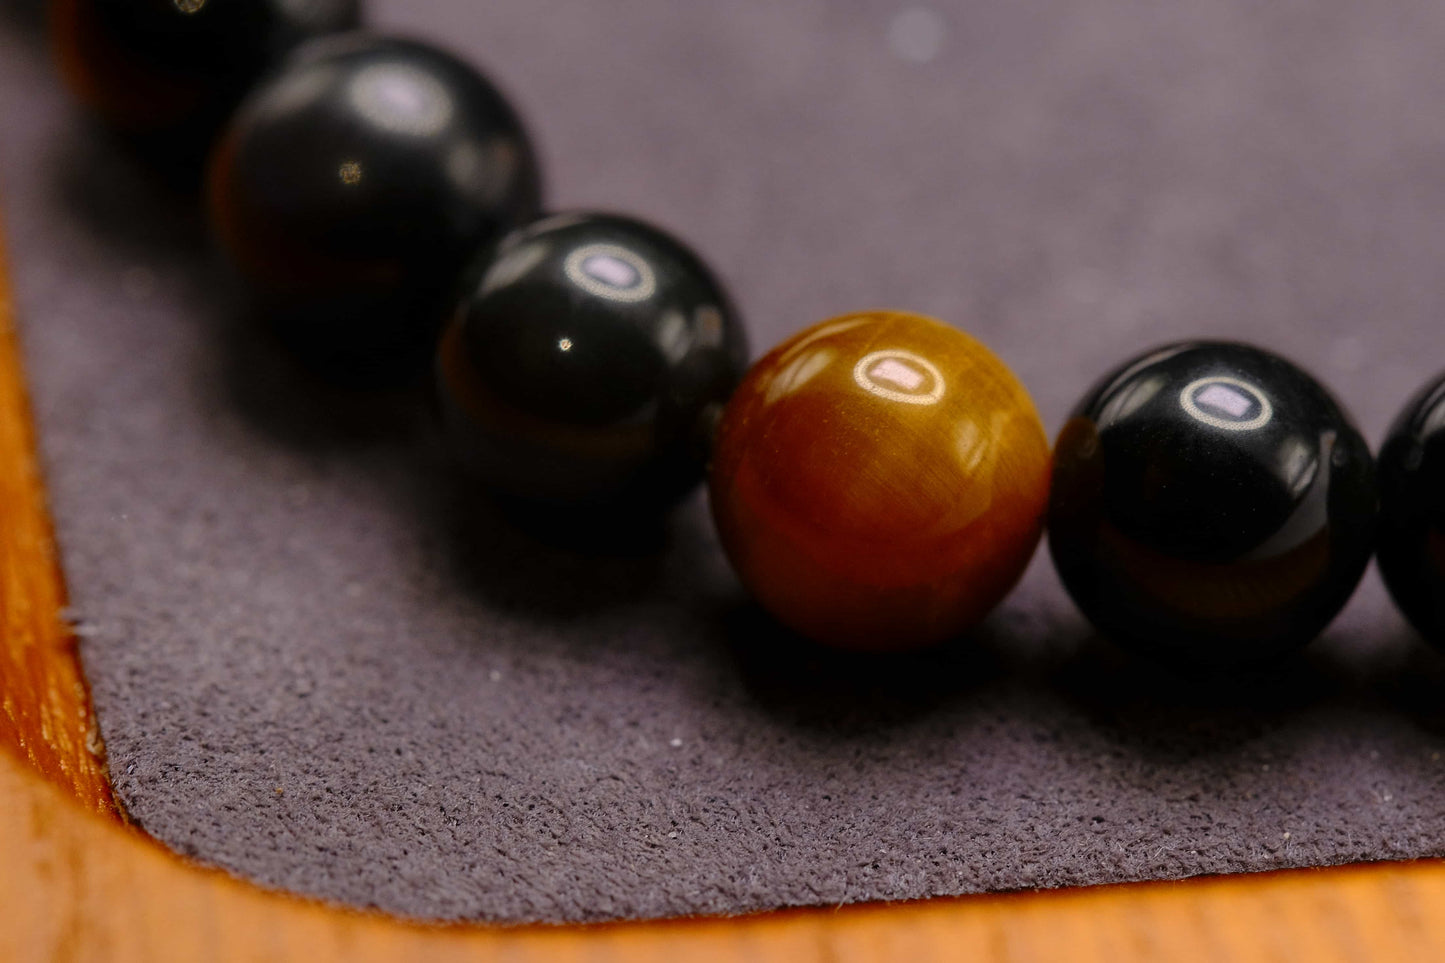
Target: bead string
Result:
[879, 480]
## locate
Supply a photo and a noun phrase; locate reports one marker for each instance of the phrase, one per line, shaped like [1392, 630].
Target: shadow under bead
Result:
[879, 481]
[168, 73]
[1411, 549]
[1212, 505]
[585, 363]
[351, 188]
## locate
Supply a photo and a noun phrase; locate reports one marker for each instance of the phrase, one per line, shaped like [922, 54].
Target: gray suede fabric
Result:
[321, 663]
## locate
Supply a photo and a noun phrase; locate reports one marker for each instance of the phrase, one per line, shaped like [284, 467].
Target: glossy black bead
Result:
[351, 188]
[586, 361]
[1411, 549]
[1211, 505]
[172, 70]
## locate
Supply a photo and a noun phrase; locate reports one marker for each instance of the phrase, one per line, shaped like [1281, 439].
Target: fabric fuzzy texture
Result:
[320, 662]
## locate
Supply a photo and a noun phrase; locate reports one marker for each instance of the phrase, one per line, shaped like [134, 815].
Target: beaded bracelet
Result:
[879, 481]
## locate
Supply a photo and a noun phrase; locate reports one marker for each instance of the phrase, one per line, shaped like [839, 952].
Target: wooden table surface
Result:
[77, 883]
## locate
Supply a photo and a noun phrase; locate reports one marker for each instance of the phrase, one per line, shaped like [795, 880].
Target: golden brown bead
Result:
[879, 481]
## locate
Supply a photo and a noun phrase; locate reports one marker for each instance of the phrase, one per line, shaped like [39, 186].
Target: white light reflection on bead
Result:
[1434, 409]
[611, 272]
[1299, 463]
[904, 369]
[1231, 396]
[673, 336]
[401, 99]
[970, 452]
[799, 371]
[1135, 395]
[513, 264]
[292, 91]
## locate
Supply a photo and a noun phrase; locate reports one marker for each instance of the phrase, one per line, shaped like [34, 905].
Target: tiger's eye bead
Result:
[879, 481]
[1212, 505]
[1411, 548]
[583, 363]
[179, 66]
[352, 186]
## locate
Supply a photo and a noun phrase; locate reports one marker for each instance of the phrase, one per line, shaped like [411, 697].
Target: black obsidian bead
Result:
[174, 69]
[1212, 505]
[586, 362]
[1411, 549]
[351, 188]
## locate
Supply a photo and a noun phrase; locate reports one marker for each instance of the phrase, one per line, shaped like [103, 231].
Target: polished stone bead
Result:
[176, 68]
[879, 481]
[586, 363]
[1212, 505]
[352, 187]
[1411, 549]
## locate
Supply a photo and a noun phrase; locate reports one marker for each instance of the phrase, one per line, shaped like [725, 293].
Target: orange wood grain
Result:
[77, 885]
[44, 705]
